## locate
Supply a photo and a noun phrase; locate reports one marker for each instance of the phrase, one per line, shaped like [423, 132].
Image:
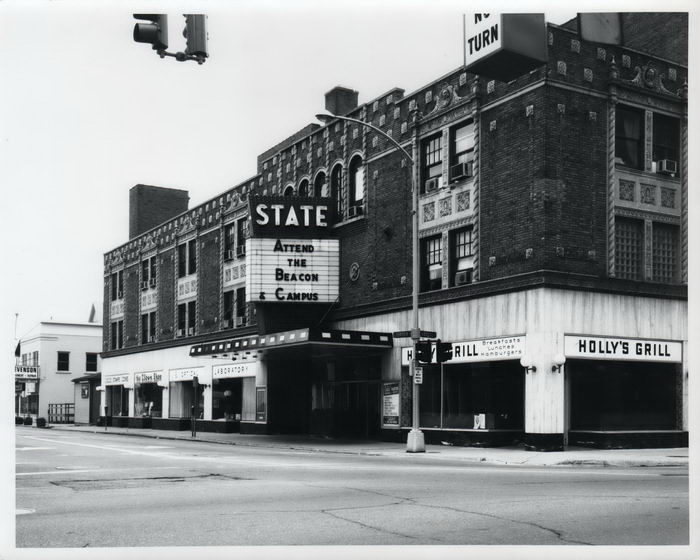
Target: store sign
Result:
[26, 372]
[121, 379]
[292, 270]
[390, 404]
[634, 349]
[482, 350]
[185, 374]
[148, 377]
[245, 369]
[504, 46]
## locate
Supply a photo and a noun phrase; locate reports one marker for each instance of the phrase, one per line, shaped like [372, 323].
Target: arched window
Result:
[304, 188]
[337, 190]
[321, 185]
[357, 187]
[289, 190]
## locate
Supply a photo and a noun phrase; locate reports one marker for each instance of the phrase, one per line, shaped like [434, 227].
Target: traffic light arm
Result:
[181, 56]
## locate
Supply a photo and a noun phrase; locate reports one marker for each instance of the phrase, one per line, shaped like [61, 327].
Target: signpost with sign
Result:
[504, 46]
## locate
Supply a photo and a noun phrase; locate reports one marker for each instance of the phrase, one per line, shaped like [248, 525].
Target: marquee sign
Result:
[292, 270]
[628, 349]
[283, 216]
[504, 46]
[482, 350]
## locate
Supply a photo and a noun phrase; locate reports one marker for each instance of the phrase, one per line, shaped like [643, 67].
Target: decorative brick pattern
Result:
[626, 61]
[588, 75]
[561, 67]
[404, 127]
[429, 212]
[445, 206]
[672, 75]
[550, 38]
[397, 114]
[668, 197]
[601, 54]
[490, 86]
[627, 190]
[561, 108]
[492, 126]
[462, 78]
[575, 46]
[463, 201]
[428, 96]
[647, 194]
[375, 106]
[592, 116]
[529, 110]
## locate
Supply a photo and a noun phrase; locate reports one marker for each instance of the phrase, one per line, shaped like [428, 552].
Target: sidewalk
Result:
[514, 455]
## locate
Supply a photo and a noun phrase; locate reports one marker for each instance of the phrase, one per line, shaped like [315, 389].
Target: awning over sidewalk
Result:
[325, 337]
[89, 377]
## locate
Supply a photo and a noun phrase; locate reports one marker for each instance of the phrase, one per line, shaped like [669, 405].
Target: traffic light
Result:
[423, 351]
[155, 33]
[443, 351]
[196, 34]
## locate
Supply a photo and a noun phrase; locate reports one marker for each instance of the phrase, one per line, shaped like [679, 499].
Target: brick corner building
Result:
[553, 255]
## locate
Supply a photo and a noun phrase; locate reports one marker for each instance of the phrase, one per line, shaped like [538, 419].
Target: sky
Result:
[88, 113]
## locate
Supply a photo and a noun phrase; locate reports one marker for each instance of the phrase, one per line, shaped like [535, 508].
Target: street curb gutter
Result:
[661, 462]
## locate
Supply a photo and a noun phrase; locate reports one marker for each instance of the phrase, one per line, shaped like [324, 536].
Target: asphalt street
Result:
[94, 490]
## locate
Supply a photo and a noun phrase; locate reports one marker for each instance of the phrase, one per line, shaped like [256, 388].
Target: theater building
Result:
[553, 255]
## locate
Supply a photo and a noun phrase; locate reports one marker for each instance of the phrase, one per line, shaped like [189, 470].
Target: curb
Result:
[563, 463]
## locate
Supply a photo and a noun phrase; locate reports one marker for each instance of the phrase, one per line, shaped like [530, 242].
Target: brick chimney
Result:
[151, 206]
[341, 100]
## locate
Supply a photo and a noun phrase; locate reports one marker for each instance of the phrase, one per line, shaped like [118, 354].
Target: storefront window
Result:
[117, 400]
[227, 399]
[430, 391]
[148, 400]
[623, 395]
[182, 399]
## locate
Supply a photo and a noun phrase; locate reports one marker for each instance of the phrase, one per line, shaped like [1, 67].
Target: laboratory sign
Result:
[632, 349]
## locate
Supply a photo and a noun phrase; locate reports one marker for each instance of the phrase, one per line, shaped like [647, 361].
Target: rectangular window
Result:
[187, 318]
[63, 361]
[241, 308]
[462, 257]
[148, 273]
[667, 139]
[241, 234]
[117, 285]
[230, 241]
[90, 362]
[35, 358]
[229, 299]
[629, 242]
[116, 335]
[148, 327]
[665, 253]
[431, 158]
[629, 137]
[431, 263]
[461, 150]
[187, 258]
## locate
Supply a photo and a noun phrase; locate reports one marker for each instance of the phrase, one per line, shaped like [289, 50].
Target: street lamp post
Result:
[416, 440]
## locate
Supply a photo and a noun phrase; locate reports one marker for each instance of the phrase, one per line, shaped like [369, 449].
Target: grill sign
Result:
[604, 348]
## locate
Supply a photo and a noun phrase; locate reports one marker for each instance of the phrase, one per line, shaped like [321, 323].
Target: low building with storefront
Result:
[53, 358]
[553, 255]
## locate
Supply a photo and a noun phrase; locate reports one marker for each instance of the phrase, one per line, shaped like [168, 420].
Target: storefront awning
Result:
[88, 377]
[360, 339]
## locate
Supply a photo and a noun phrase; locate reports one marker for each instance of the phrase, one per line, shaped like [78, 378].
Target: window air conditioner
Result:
[151, 339]
[432, 184]
[180, 332]
[240, 321]
[240, 251]
[462, 171]
[355, 211]
[190, 331]
[152, 282]
[229, 255]
[227, 323]
[144, 285]
[667, 166]
[462, 277]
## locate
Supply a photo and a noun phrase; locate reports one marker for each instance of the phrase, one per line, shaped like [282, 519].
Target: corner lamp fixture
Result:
[558, 361]
[527, 364]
